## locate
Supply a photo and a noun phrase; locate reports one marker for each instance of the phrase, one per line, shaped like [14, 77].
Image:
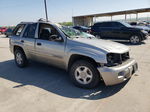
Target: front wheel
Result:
[135, 39]
[84, 74]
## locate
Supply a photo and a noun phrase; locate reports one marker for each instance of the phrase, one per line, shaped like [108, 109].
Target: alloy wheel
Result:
[19, 59]
[83, 75]
[135, 39]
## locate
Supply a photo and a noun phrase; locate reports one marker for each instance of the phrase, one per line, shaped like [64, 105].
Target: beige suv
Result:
[87, 59]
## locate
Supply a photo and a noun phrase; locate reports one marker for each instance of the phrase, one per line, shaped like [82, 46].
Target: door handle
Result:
[39, 44]
[22, 41]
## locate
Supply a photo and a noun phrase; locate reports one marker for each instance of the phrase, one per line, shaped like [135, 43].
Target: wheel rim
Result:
[83, 75]
[135, 39]
[19, 58]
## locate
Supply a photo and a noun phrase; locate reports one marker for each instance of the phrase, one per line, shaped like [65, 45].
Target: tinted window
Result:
[133, 23]
[104, 24]
[116, 24]
[30, 31]
[98, 24]
[47, 30]
[18, 30]
[107, 24]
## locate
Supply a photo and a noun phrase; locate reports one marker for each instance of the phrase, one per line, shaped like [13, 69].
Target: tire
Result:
[92, 75]
[20, 58]
[135, 39]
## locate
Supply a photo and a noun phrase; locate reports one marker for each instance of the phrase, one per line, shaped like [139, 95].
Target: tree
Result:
[66, 23]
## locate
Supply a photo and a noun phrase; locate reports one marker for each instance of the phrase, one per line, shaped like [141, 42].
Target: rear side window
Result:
[98, 24]
[107, 24]
[30, 31]
[116, 24]
[104, 24]
[18, 30]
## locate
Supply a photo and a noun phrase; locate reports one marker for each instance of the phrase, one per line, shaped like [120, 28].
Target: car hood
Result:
[142, 27]
[106, 45]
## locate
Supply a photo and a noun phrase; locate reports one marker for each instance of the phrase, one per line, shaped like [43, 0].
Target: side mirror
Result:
[56, 38]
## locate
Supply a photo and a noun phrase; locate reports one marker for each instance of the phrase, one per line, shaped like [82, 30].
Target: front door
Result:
[47, 50]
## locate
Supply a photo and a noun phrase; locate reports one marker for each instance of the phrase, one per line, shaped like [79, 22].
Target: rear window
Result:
[30, 31]
[18, 30]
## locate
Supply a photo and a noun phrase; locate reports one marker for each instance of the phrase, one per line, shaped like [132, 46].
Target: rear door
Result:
[28, 40]
[102, 29]
[106, 30]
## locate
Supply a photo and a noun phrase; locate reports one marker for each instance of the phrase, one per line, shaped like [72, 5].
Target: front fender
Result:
[98, 56]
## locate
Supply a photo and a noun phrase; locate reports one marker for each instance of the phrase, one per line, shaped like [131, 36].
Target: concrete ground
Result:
[42, 88]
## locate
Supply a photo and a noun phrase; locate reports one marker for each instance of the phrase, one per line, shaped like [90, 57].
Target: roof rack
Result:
[44, 20]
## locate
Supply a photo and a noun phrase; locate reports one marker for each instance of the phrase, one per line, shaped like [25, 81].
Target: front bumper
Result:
[118, 74]
[144, 36]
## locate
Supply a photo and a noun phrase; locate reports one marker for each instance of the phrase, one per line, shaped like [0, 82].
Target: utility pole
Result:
[46, 10]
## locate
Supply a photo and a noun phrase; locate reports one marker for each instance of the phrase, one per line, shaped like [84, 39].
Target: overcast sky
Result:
[14, 11]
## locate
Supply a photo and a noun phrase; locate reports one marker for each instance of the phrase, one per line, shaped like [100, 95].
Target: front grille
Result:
[116, 59]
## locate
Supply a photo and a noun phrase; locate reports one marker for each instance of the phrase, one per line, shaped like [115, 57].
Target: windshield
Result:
[73, 33]
[126, 24]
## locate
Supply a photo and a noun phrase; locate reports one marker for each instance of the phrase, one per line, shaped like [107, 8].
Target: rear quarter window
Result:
[18, 30]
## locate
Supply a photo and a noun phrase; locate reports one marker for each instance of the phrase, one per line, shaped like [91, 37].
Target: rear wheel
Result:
[20, 58]
[84, 74]
[135, 39]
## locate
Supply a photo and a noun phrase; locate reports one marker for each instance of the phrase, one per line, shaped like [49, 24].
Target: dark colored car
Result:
[118, 31]
[82, 28]
[8, 32]
[141, 26]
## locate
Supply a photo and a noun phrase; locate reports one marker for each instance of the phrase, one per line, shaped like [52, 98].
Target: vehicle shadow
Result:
[53, 80]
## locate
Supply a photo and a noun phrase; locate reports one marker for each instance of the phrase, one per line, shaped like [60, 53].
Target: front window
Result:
[126, 24]
[46, 31]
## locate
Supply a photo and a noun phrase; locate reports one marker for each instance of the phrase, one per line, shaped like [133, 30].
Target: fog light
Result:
[124, 73]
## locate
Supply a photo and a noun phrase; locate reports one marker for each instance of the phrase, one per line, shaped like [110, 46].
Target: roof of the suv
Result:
[39, 21]
[46, 22]
[35, 22]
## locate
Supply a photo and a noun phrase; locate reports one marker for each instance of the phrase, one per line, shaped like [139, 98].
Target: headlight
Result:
[114, 59]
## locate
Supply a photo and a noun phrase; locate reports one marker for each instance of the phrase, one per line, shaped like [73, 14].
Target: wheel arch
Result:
[75, 57]
[16, 47]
